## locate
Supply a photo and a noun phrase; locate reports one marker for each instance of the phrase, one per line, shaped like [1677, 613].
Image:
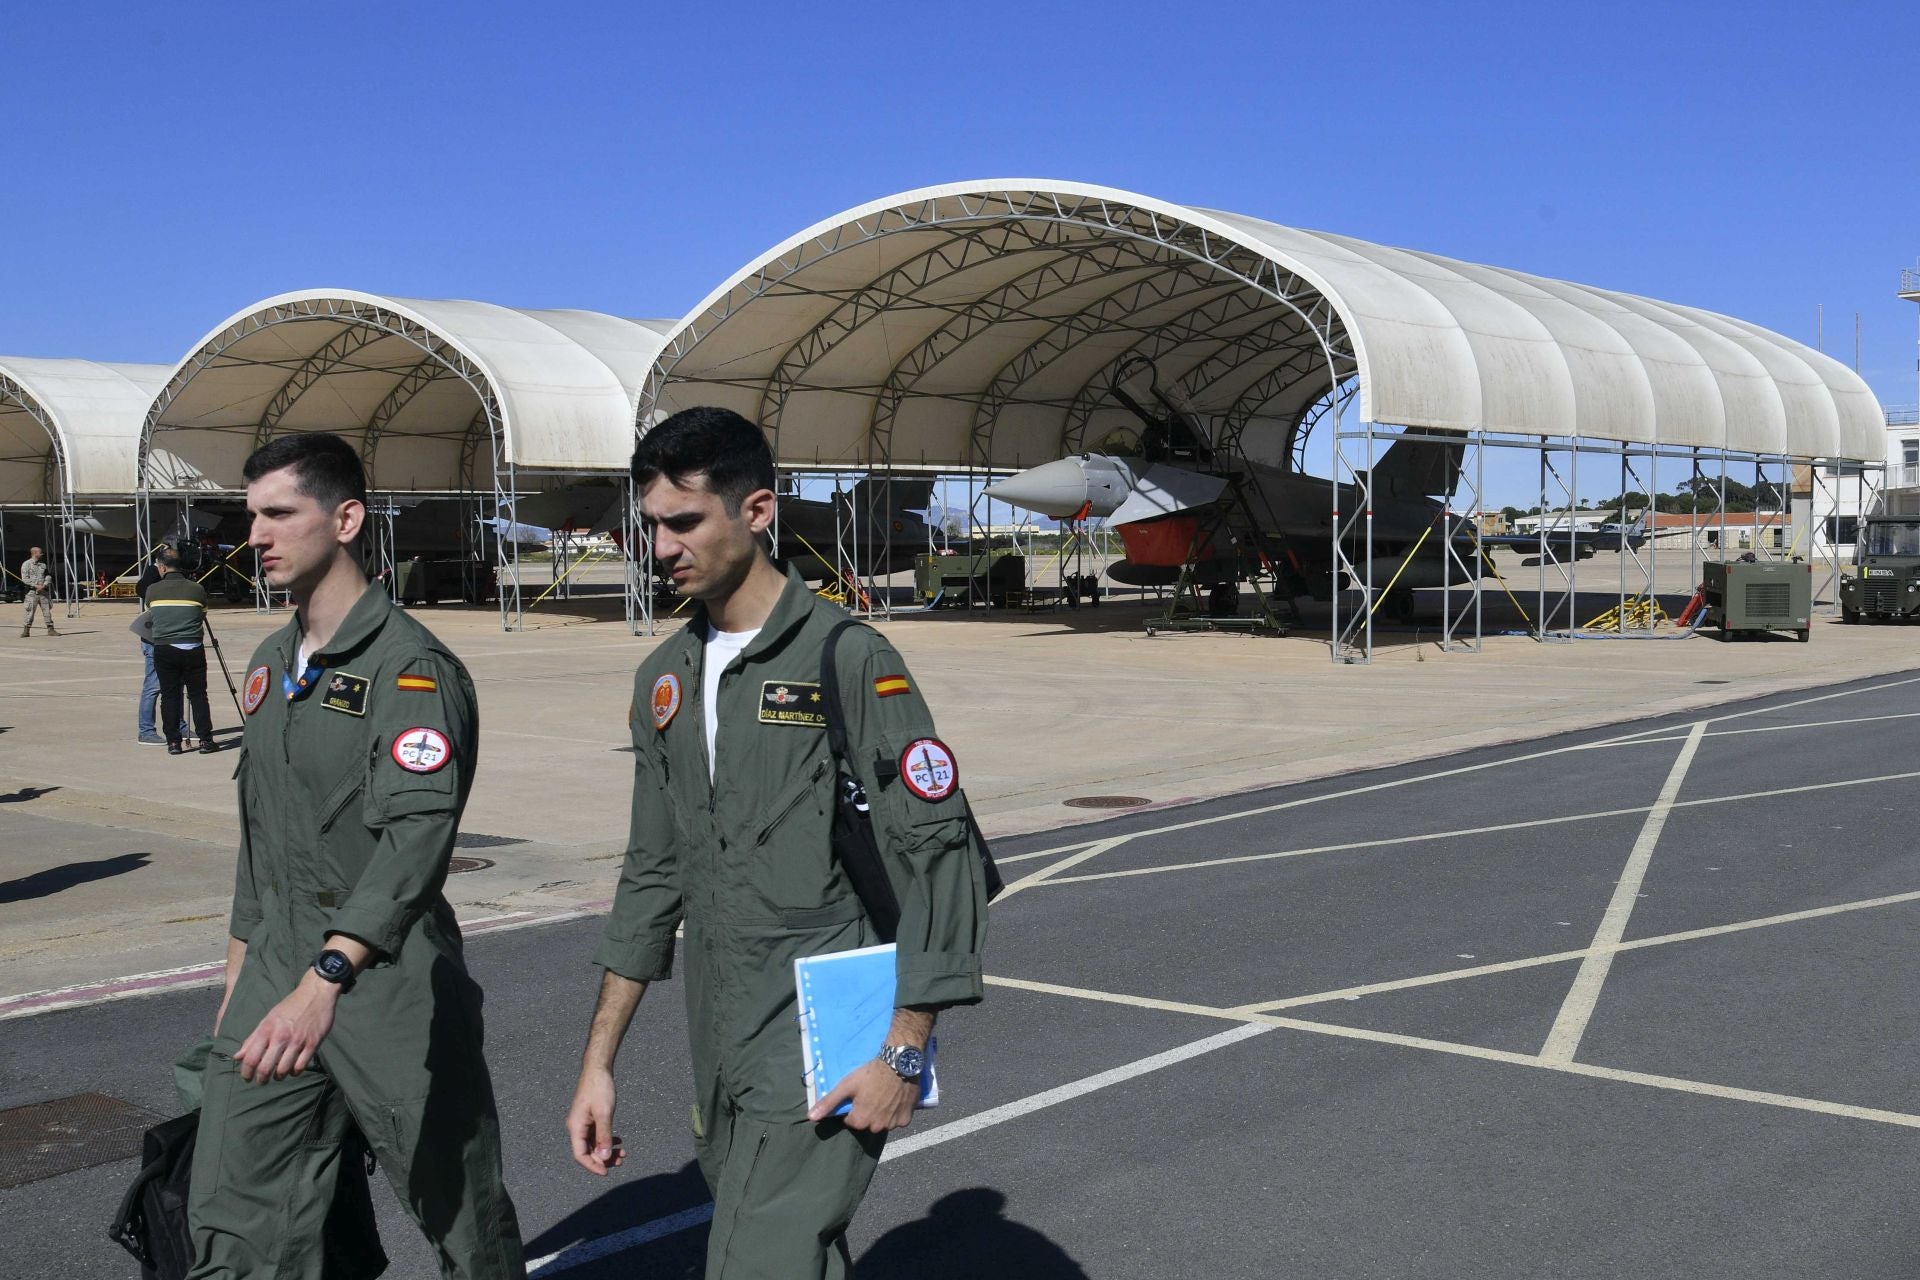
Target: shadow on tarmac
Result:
[25, 794]
[967, 1234]
[624, 1206]
[44, 884]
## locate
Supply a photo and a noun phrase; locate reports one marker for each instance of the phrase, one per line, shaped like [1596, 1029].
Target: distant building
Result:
[1742, 531]
[1901, 495]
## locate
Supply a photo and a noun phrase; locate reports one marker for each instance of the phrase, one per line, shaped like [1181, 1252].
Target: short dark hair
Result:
[168, 556]
[325, 467]
[717, 443]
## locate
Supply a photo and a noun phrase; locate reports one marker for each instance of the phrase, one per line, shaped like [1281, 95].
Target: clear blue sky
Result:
[171, 164]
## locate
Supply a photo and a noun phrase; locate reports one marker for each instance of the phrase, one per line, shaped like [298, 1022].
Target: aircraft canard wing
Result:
[1166, 490]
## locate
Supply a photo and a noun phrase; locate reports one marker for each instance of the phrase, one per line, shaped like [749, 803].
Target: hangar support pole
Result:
[1351, 531]
[1562, 490]
[1472, 575]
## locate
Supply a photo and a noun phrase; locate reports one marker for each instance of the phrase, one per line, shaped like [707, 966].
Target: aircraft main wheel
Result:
[1399, 605]
[1224, 601]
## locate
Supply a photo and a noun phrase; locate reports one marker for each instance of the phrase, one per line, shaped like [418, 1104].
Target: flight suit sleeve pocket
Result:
[397, 788]
[383, 806]
[930, 813]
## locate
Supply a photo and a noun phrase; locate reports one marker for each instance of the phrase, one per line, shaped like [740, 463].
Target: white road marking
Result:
[593, 1250]
[1163, 868]
[211, 973]
[1674, 1084]
[1577, 1010]
[1768, 728]
[1047, 872]
[578, 1255]
[1565, 957]
[1449, 773]
[1067, 1092]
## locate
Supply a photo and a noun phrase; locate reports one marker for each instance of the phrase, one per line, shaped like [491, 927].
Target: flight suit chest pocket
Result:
[343, 794]
[793, 865]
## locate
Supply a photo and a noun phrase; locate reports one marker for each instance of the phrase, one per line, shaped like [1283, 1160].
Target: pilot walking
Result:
[732, 803]
[348, 1002]
[38, 577]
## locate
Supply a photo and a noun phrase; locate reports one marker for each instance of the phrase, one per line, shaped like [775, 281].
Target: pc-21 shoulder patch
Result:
[792, 702]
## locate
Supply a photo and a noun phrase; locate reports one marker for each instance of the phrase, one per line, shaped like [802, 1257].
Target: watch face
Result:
[333, 966]
[908, 1062]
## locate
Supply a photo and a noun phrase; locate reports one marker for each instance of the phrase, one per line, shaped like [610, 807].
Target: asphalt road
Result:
[1631, 1002]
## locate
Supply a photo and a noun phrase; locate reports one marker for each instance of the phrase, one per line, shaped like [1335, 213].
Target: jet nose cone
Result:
[1057, 489]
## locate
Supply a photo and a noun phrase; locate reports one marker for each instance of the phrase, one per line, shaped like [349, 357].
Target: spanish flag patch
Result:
[420, 684]
[887, 686]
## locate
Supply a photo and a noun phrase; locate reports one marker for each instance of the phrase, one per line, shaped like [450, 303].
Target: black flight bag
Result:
[854, 842]
[152, 1221]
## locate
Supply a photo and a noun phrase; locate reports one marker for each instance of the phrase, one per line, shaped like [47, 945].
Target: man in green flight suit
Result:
[732, 804]
[347, 1000]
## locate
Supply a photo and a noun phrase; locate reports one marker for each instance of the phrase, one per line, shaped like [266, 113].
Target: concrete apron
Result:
[118, 858]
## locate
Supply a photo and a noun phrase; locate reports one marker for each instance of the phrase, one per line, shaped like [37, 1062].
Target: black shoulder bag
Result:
[152, 1221]
[854, 843]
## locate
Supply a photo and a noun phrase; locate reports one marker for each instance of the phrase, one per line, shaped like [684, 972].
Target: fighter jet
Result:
[1578, 542]
[1178, 505]
[882, 520]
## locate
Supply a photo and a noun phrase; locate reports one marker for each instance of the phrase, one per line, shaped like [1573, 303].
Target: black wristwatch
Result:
[335, 968]
[907, 1062]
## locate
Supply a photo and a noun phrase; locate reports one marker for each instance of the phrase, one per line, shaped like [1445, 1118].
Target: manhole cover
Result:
[1106, 802]
[474, 840]
[456, 865]
[50, 1138]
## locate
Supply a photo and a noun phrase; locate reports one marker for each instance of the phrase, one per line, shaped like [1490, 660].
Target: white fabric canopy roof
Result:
[981, 324]
[72, 424]
[411, 383]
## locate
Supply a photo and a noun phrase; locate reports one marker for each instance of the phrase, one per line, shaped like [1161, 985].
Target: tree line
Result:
[1699, 496]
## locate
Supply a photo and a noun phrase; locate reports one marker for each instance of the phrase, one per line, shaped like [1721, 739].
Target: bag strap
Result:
[830, 688]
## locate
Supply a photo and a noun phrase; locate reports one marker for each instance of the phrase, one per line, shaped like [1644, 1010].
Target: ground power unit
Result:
[1745, 598]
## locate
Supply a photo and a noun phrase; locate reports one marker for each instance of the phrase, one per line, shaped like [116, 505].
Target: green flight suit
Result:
[746, 862]
[352, 777]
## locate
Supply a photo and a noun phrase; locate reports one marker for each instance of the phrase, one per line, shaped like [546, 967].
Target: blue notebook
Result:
[846, 1007]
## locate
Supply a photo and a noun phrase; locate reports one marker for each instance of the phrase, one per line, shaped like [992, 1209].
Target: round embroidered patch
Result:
[255, 692]
[929, 769]
[421, 750]
[666, 700]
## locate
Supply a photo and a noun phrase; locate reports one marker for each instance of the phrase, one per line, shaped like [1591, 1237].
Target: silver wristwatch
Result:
[907, 1062]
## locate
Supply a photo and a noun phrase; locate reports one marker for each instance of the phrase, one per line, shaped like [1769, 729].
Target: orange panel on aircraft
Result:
[1164, 543]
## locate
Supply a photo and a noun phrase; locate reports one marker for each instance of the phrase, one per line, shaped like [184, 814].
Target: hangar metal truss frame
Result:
[1218, 279]
[439, 360]
[1355, 449]
[58, 516]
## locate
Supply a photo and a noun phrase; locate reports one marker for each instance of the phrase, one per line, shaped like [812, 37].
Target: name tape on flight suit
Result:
[255, 692]
[421, 750]
[928, 769]
[791, 702]
[666, 700]
[346, 692]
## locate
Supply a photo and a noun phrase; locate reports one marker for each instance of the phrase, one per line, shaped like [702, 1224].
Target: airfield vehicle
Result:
[1886, 581]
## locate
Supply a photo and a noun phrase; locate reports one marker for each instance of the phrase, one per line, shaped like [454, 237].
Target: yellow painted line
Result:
[1577, 1010]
